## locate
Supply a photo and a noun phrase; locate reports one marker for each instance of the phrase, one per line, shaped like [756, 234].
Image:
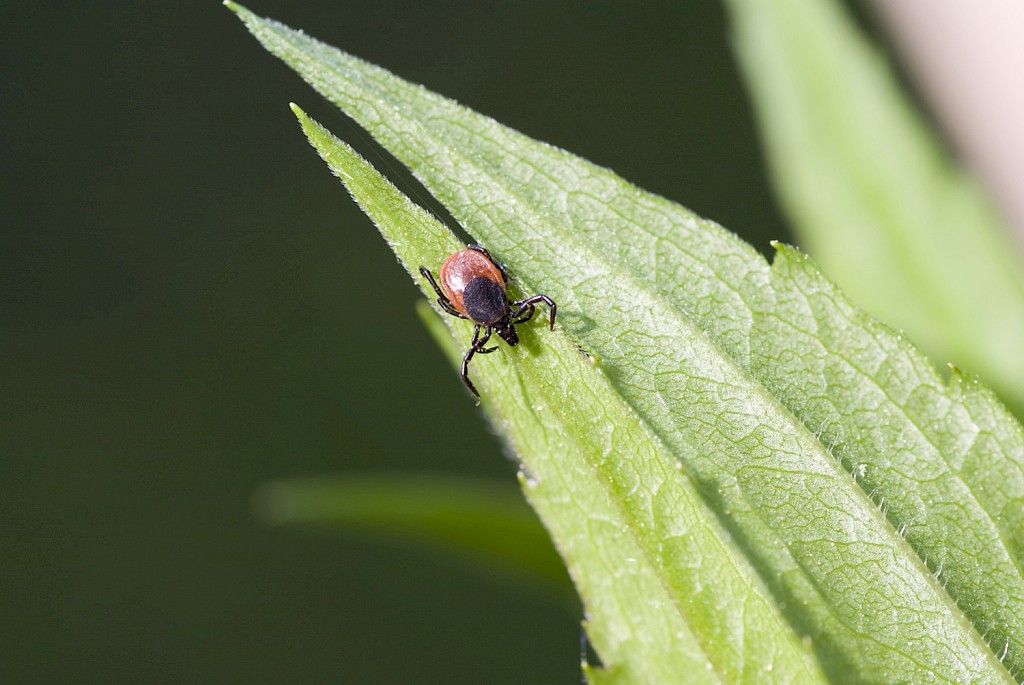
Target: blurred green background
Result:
[192, 306]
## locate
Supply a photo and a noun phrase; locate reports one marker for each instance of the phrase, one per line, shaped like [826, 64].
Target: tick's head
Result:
[507, 330]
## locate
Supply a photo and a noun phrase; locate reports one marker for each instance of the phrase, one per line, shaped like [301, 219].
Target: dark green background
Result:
[191, 306]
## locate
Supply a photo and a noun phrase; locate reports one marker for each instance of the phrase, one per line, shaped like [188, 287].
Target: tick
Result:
[474, 287]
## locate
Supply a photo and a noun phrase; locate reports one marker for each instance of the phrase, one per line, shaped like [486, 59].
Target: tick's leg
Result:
[525, 314]
[482, 250]
[483, 341]
[433, 284]
[465, 371]
[442, 299]
[450, 308]
[522, 305]
[479, 342]
[465, 362]
[476, 347]
[501, 267]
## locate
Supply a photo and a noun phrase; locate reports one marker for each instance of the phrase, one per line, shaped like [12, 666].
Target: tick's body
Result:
[473, 287]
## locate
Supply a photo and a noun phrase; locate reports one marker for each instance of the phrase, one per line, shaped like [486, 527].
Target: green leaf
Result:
[695, 469]
[872, 193]
[611, 495]
[486, 520]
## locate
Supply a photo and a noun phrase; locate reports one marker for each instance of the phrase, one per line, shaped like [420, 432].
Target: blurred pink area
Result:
[968, 57]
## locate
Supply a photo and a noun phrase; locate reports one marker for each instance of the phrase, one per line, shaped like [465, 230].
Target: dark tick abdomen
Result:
[484, 300]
